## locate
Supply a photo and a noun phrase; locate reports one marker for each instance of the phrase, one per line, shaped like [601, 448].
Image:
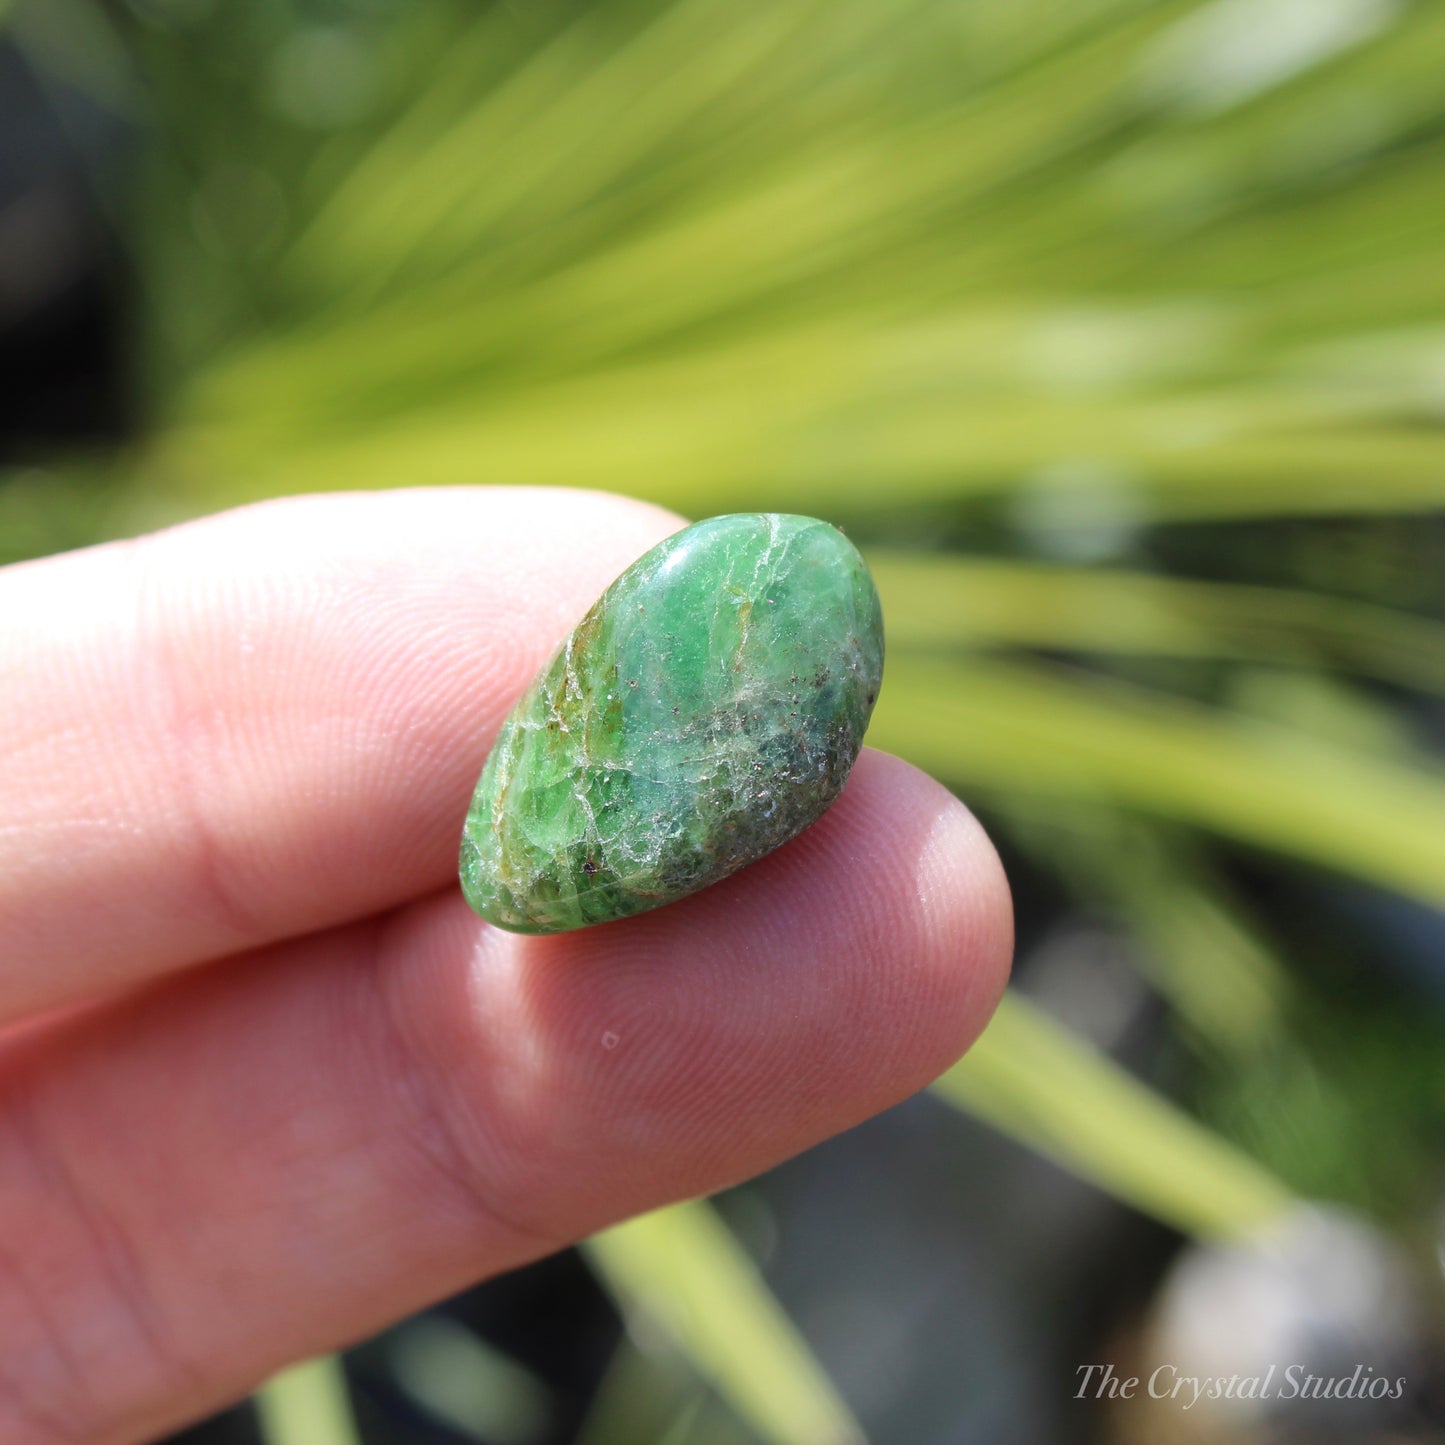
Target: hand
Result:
[266, 1083]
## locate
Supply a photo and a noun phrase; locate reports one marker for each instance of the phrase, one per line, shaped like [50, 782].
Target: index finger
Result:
[269, 721]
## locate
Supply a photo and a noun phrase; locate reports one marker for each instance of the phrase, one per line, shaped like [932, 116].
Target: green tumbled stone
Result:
[707, 709]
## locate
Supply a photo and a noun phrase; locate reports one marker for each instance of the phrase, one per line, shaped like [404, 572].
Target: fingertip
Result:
[960, 895]
[918, 884]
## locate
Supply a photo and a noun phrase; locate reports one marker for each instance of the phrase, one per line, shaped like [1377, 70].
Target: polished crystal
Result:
[706, 709]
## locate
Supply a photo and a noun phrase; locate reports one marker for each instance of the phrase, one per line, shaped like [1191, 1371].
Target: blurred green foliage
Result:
[1115, 329]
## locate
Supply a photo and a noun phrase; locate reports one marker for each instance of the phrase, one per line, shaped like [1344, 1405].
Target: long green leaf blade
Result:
[941, 600]
[682, 1267]
[1043, 1086]
[308, 1404]
[1014, 728]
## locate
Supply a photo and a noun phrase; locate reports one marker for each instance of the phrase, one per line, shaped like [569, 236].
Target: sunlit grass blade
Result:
[943, 600]
[468, 1384]
[307, 1404]
[1192, 941]
[682, 1268]
[1044, 1087]
[1222, 981]
[1018, 729]
[645, 1393]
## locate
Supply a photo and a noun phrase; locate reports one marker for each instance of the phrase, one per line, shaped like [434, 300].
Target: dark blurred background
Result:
[1115, 333]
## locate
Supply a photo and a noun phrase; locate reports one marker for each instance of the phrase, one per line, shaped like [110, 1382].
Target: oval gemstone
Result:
[706, 709]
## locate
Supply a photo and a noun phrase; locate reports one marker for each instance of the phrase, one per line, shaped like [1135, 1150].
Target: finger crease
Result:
[429, 1097]
[118, 1266]
[211, 865]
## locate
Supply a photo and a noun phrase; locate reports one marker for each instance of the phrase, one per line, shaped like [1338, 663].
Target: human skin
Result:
[266, 1083]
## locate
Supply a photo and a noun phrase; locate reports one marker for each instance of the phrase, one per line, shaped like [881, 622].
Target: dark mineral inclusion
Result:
[705, 710]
